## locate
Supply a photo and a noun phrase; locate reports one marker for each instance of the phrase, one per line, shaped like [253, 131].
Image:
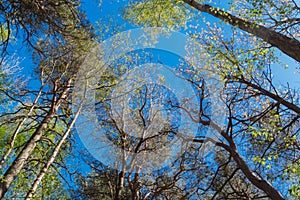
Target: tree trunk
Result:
[254, 179]
[277, 98]
[22, 157]
[52, 158]
[19, 162]
[259, 182]
[18, 128]
[287, 45]
[120, 185]
[54, 154]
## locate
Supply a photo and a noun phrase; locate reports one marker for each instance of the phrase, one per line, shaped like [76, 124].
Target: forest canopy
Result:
[149, 99]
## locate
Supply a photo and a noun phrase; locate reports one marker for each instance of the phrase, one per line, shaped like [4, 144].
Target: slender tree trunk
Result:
[19, 162]
[277, 98]
[120, 185]
[121, 177]
[146, 196]
[18, 128]
[52, 157]
[287, 45]
[259, 182]
[22, 157]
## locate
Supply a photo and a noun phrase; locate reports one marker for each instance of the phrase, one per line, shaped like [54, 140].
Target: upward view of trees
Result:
[253, 154]
[34, 121]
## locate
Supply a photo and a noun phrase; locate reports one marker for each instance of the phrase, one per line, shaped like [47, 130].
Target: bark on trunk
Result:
[52, 157]
[17, 130]
[120, 185]
[50, 161]
[259, 182]
[22, 157]
[19, 162]
[255, 179]
[287, 45]
[277, 98]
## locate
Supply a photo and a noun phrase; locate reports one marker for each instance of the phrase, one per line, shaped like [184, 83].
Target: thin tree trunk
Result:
[22, 157]
[287, 45]
[277, 98]
[52, 157]
[120, 185]
[18, 128]
[259, 182]
[19, 162]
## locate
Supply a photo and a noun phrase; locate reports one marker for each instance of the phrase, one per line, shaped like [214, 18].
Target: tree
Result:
[135, 139]
[269, 123]
[40, 125]
[286, 20]
[256, 149]
[288, 45]
[52, 19]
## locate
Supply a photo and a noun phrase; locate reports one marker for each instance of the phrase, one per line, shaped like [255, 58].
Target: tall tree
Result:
[243, 59]
[58, 54]
[139, 144]
[280, 31]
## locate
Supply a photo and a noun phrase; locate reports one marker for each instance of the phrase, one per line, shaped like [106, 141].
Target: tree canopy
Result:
[210, 123]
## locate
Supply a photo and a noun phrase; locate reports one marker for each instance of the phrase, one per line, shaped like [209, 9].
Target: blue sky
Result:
[282, 76]
[110, 8]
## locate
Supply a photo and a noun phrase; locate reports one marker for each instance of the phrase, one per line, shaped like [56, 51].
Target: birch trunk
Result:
[18, 128]
[22, 157]
[52, 158]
